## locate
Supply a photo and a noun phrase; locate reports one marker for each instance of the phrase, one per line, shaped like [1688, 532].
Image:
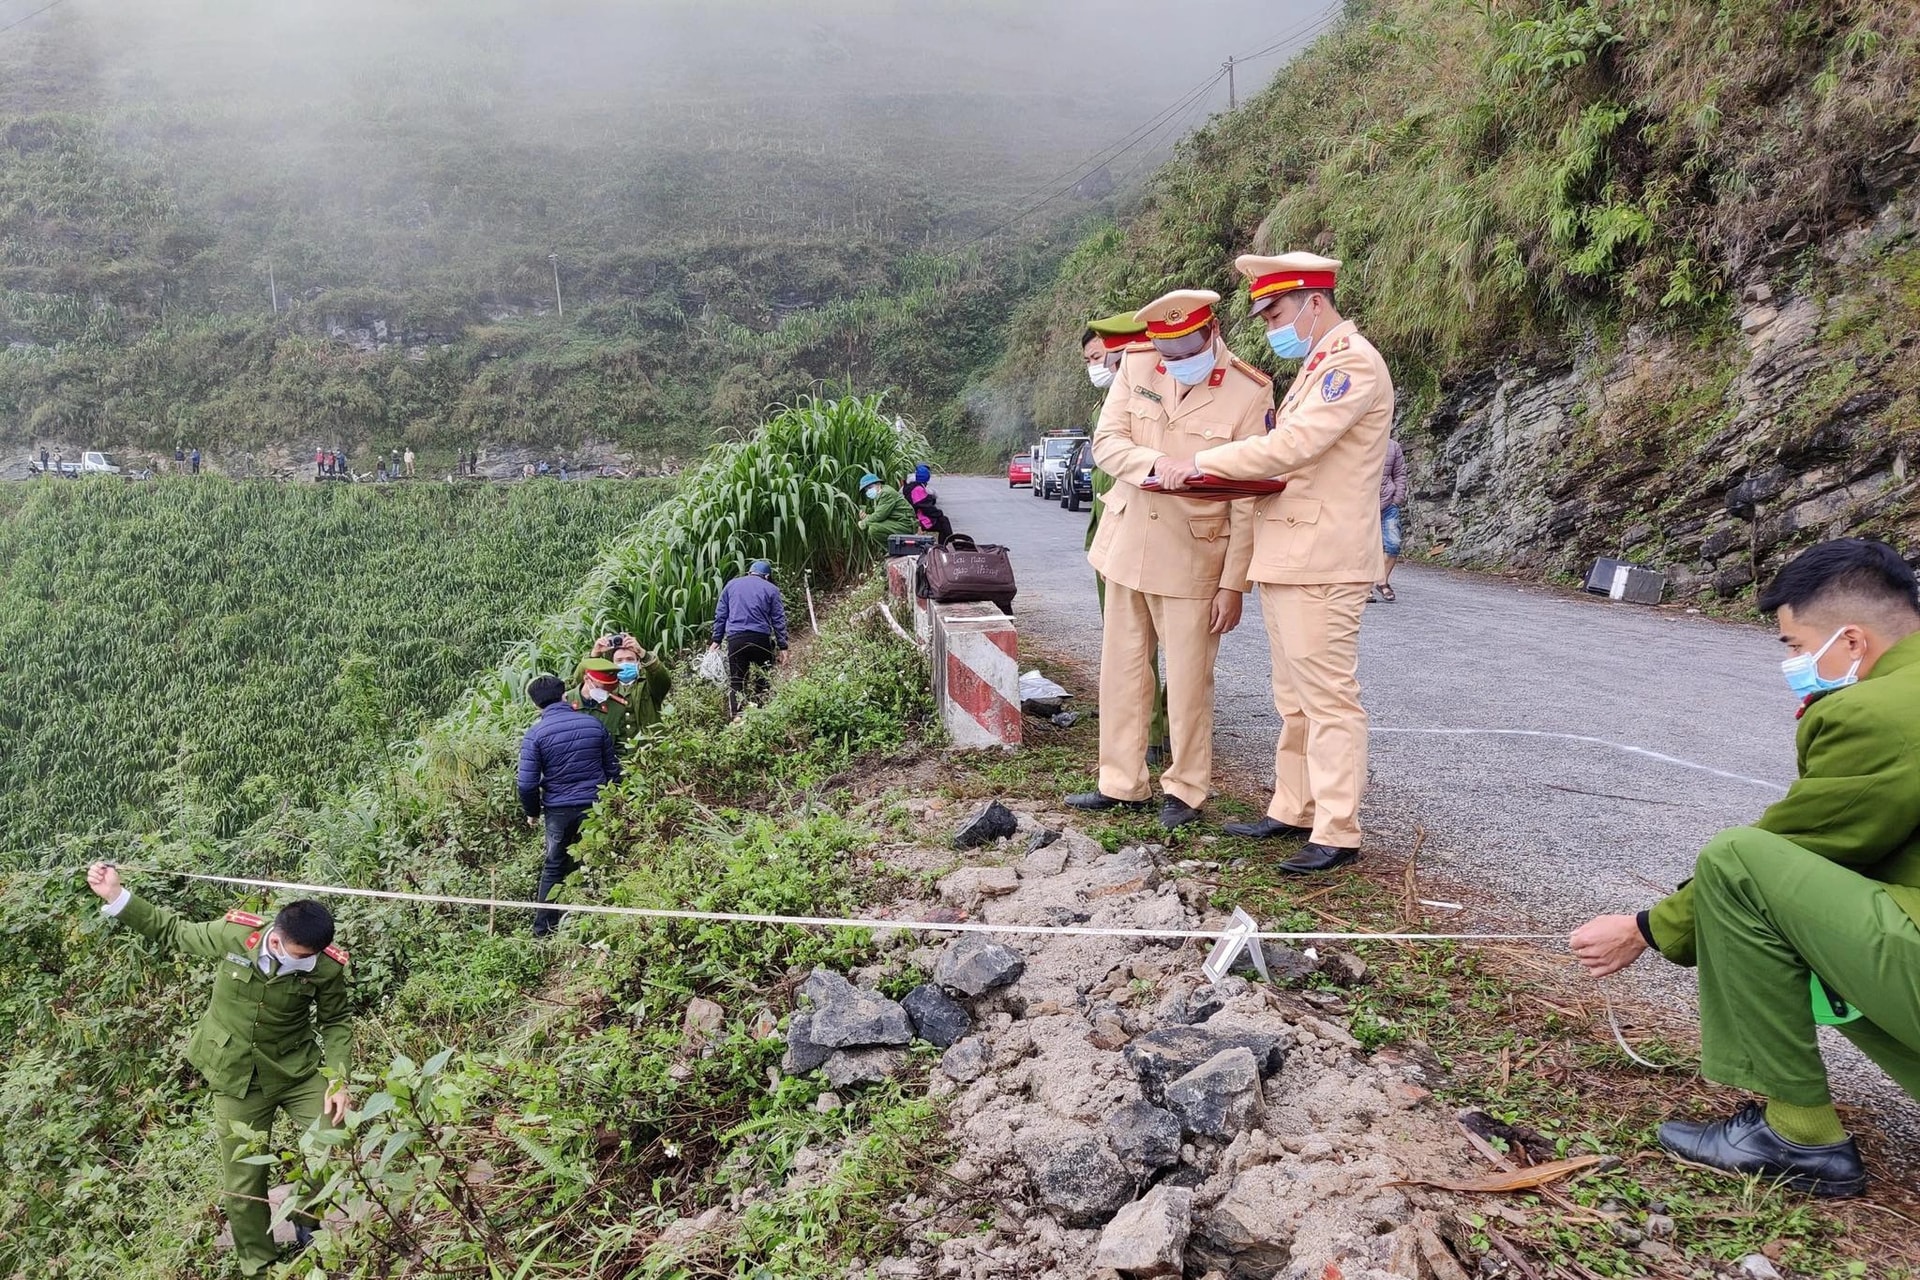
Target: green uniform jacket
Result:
[891, 514]
[629, 708]
[1857, 799]
[271, 1031]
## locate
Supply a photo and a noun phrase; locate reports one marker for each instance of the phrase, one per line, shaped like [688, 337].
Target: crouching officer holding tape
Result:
[275, 1038]
[1811, 915]
[1175, 567]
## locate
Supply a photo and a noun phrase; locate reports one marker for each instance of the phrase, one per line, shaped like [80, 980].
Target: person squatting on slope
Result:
[1812, 914]
[276, 1036]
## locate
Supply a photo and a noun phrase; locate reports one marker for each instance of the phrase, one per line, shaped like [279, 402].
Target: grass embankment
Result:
[583, 1117]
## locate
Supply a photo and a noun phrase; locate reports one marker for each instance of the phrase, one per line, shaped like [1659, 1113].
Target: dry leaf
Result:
[1538, 1175]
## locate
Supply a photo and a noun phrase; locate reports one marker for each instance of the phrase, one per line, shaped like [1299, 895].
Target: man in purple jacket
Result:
[751, 620]
[1393, 499]
[566, 757]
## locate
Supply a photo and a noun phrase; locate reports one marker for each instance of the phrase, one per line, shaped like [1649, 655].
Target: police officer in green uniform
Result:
[891, 513]
[598, 696]
[1103, 343]
[644, 683]
[275, 1038]
[1811, 915]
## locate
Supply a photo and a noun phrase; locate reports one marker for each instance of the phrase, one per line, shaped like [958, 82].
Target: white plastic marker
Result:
[839, 922]
[1627, 747]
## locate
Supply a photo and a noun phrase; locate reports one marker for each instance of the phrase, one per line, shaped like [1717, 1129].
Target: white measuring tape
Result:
[836, 922]
[917, 926]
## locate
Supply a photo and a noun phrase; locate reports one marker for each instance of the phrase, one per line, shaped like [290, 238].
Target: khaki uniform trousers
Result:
[1320, 761]
[1136, 624]
[245, 1185]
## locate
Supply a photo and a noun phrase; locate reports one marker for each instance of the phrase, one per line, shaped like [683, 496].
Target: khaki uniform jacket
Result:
[1164, 543]
[1330, 444]
[271, 1031]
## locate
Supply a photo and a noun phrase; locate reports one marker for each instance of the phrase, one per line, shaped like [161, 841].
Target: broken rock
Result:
[990, 822]
[1149, 1236]
[1077, 1178]
[1221, 1097]
[1344, 968]
[1161, 1057]
[968, 886]
[1286, 966]
[968, 1060]
[1144, 1136]
[804, 1053]
[972, 966]
[937, 1018]
[848, 1067]
[844, 1015]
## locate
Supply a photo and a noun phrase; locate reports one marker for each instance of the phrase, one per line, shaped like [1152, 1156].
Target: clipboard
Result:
[1215, 489]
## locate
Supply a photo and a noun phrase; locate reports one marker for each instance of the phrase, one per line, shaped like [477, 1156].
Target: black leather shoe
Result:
[1318, 857]
[1265, 829]
[1158, 755]
[1746, 1144]
[1176, 813]
[1100, 802]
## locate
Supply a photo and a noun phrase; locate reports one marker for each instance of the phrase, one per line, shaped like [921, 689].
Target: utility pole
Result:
[273, 290]
[558, 305]
[1233, 99]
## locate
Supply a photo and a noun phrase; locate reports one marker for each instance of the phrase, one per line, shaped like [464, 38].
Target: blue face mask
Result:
[628, 672]
[1803, 671]
[1287, 341]
[1192, 370]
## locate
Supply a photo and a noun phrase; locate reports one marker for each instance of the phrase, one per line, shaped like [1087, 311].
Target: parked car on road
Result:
[1051, 463]
[1020, 470]
[1078, 486]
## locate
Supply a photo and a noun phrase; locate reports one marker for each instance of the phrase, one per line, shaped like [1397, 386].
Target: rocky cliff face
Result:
[1710, 461]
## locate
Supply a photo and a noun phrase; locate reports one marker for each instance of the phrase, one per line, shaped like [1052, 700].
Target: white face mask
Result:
[1100, 376]
[594, 692]
[284, 963]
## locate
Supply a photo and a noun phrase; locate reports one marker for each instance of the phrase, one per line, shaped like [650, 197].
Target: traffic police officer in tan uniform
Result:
[1316, 551]
[1175, 567]
[275, 1037]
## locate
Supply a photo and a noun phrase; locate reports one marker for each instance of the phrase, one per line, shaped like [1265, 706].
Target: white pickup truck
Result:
[92, 463]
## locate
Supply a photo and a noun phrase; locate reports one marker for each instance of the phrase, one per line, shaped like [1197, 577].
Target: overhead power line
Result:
[1147, 133]
[30, 17]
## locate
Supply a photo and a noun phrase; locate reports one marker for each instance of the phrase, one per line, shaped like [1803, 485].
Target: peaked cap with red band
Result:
[1117, 333]
[1268, 278]
[1177, 314]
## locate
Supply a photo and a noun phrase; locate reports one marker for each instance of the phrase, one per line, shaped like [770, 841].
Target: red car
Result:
[1019, 470]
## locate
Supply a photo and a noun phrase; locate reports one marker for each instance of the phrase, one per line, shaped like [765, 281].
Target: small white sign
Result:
[1226, 950]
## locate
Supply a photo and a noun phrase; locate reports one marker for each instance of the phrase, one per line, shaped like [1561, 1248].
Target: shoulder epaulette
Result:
[614, 697]
[339, 954]
[1340, 344]
[1252, 372]
[246, 918]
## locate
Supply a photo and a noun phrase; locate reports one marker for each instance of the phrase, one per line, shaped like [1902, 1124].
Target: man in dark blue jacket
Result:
[566, 757]
[751, 620]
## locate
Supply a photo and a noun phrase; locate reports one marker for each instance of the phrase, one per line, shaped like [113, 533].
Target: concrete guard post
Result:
[901, 573]
[976, 675]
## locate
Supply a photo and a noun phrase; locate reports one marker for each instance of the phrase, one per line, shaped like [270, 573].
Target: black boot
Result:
[1746, 1144]
[1176, 813]
[1265, 829]
[1100, 802]
[1318, 857]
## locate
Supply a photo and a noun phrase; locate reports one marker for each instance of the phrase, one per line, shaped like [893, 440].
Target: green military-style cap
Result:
[1123, 326]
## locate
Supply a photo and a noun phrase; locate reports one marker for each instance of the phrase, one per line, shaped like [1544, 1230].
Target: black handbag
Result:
[960, 570]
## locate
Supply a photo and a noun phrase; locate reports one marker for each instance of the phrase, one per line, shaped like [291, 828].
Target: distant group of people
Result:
[913, 508]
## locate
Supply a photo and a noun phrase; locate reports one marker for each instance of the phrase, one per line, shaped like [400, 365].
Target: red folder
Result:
[1218, 490]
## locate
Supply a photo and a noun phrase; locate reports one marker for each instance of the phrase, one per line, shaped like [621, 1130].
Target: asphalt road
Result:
[1486, 698]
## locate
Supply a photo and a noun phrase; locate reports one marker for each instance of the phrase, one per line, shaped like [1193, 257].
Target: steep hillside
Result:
[1646, 272]
[351, 223]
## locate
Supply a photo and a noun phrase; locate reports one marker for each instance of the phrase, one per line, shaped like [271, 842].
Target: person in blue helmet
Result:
[751, 620]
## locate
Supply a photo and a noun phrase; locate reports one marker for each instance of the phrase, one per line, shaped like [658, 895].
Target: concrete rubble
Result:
[1118, 1114]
